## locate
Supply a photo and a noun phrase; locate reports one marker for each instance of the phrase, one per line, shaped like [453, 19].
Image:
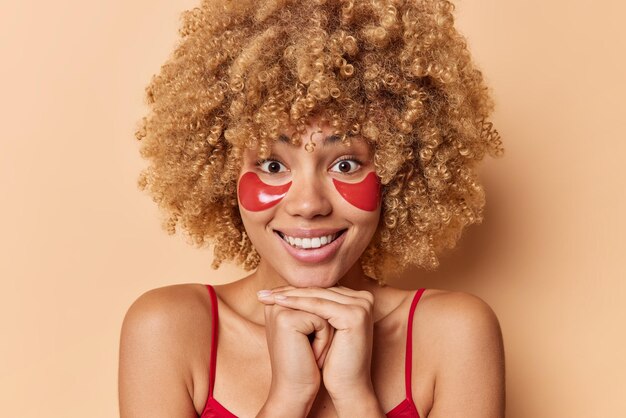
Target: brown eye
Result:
[346, 166]
[271, 166]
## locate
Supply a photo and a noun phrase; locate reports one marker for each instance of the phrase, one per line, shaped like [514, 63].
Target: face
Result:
[310, 210]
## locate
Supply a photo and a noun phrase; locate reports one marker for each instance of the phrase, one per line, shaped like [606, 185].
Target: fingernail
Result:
[280, 297]
[263, 293]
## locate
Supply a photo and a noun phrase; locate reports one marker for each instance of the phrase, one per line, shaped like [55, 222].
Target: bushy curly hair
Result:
[393, 72]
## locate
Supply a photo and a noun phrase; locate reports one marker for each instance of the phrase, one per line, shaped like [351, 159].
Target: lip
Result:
[308, 233]
[314, 255]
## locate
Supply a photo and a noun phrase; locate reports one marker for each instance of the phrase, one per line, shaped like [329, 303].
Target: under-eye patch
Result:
[364, 195]
[256, 196]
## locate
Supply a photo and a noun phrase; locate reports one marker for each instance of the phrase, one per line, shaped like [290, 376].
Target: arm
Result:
[364, 405]
[154, 375]
[469, 381]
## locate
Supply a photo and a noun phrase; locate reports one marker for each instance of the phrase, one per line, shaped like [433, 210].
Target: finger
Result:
[322, 357]
[321, 341]
[317, 292]
[285, 319]
[270, 298]
[304, 323]
[340, 316]
[351, 297]
[282, 288]
[360, 294]
[265, 298]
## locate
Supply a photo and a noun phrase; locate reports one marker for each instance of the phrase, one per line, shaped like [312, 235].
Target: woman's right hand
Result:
[295, 360]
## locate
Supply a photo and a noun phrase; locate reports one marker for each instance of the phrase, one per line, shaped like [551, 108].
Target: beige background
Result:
[79, 243]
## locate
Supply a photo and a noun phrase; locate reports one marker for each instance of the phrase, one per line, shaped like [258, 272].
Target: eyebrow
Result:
[329, 140]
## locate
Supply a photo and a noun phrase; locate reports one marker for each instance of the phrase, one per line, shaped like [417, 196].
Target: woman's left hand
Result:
[347, 364]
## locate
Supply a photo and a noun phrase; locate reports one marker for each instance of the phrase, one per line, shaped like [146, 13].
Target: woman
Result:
[324, 145]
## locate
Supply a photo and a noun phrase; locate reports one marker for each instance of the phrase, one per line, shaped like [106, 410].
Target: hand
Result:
[295, 361]
[347, 363]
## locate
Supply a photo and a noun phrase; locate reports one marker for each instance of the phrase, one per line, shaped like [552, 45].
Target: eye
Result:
[271, 166]
[346, 166]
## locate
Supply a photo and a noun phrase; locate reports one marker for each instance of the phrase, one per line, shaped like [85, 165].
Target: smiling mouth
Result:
[310, 243]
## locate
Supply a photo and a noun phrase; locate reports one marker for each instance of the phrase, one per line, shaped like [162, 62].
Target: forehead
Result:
[315, 139]
[316, 142]
[325, 147]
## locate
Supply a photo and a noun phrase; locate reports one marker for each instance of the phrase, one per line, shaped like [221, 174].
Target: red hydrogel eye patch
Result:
[364, 195]
[256, 196]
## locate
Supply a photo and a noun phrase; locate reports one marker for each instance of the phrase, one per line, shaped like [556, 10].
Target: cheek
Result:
[255, 196]
[364, 195]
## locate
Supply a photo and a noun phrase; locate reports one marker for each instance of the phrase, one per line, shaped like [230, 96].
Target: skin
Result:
[266, 365]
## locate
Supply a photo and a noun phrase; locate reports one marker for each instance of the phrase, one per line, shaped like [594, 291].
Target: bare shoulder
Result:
[164, 334]
[460, 336]
[458, 314]
[458, 324]
[168, 303]
[168, 314]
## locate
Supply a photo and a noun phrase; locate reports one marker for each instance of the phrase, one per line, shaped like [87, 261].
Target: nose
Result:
[307, 197]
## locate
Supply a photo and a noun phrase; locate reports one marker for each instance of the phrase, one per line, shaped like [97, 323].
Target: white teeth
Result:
[307, 243]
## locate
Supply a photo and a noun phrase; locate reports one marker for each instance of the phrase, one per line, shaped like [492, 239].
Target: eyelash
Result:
[272, 158]
[349, 158]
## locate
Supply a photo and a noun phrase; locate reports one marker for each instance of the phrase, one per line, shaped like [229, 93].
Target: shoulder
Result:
[168, 316]
[457, 323]
[460, 335]
[161, 303]
[169, 310]
[163, 338]
[459, 312]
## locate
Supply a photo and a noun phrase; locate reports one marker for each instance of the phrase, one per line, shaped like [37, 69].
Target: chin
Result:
[312, 279]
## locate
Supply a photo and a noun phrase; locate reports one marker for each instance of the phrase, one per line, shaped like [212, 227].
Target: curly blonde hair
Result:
[393, 72]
